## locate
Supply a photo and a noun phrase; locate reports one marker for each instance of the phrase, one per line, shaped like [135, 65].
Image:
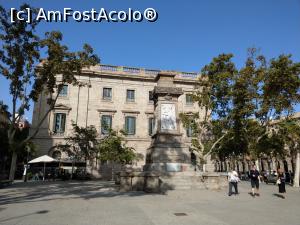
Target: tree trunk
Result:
[297, 170]
[13, 166]
[72, 169]
[274, 166]
[257, 164]
[112, 171]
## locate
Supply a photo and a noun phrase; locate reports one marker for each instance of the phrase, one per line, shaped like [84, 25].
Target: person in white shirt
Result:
[233, 180]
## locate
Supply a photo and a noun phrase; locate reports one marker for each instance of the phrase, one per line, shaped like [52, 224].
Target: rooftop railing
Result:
[141, 71]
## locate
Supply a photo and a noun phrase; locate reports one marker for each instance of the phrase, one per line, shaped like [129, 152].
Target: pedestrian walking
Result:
[254, 177]
[281, 183]
[233, 180]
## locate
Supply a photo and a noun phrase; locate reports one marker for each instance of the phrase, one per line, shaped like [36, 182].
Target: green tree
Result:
[20, 135]
[113, 148]
[4, 153]
[240, 105]
[213, 93]
[19, 56]
[82, 144]
[277, 92]
[290, 132]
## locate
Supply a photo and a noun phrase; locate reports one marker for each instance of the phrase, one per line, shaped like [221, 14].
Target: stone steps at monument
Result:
[182, 182]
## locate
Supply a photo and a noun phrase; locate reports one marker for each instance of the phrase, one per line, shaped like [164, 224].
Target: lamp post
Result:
[72, 158]
[26, 167]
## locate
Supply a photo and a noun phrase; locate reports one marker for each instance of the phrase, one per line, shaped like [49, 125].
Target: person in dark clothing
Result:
[292, 177]
[254, 177]
[281, 182]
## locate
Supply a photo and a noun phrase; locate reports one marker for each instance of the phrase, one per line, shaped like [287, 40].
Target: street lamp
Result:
[27, 148]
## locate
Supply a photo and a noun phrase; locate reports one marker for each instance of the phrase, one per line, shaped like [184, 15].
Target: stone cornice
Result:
[131, 111]
[167, 90]
[149, 112]
[62, 107]
[107, 110]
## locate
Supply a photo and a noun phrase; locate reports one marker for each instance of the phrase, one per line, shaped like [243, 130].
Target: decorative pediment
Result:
[62, 107]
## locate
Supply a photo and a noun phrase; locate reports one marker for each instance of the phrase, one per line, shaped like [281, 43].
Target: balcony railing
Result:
[143, 72]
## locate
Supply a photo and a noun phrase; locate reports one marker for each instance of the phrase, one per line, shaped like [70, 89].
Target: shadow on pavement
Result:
[25, 215]
[47, 191]
[278, 195]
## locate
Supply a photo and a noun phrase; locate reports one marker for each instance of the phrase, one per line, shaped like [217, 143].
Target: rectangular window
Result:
[106, 121]
[189, 132]
[107, 93]
[59, 123]
[189, 99]
[130, 125]
[150, 96]
[64, 91]
[130, 96]
[151, 123]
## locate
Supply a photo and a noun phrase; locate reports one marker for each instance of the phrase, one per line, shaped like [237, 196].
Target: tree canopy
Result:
[240, 105]
[28, 78]
[113, 148]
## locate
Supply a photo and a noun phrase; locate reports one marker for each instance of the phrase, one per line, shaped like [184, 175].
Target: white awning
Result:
[44, 159]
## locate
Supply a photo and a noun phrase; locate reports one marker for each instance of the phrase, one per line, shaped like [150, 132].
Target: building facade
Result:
[119, 97]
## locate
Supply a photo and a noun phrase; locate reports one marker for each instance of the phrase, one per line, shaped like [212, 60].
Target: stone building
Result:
[119, 96]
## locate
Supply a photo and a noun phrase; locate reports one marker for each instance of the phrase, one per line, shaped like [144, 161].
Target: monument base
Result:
[154, 182]
[168, 148]
[165, 168]
[139, 181]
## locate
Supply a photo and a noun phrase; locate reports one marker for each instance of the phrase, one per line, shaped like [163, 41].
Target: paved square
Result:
[97, 203]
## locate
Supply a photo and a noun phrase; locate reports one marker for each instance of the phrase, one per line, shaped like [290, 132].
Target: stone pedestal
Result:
[139, 181]
[167, 152]
[168, 155]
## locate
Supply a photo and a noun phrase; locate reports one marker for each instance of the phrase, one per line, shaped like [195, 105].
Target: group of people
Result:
[255, 179]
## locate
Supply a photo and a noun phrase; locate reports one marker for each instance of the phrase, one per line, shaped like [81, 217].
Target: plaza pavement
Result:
[98, 203]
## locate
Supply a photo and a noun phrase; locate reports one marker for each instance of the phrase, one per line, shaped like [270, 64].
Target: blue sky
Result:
[186, 35]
